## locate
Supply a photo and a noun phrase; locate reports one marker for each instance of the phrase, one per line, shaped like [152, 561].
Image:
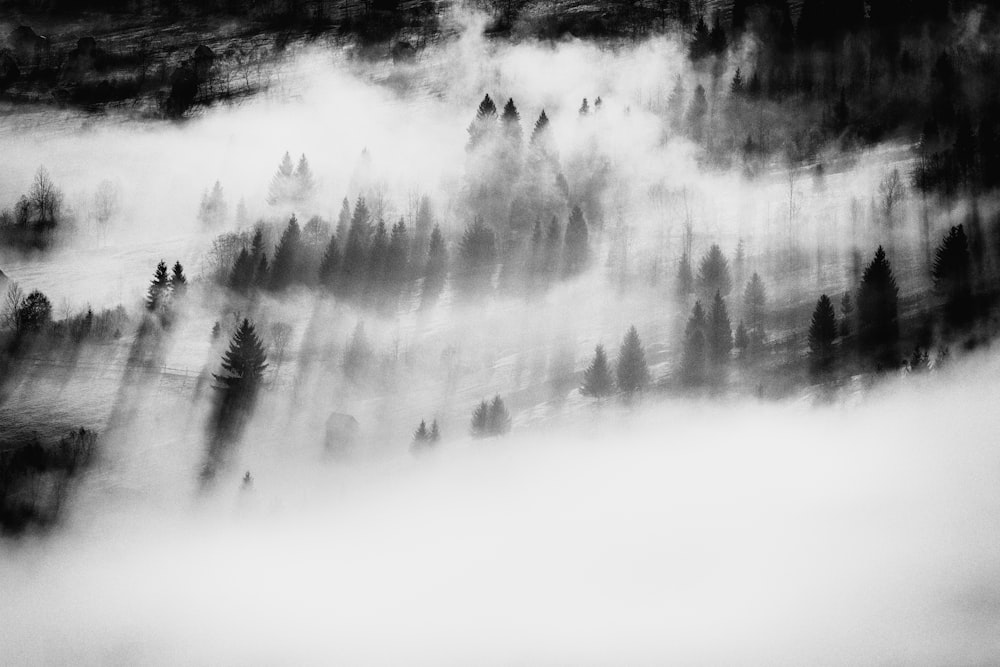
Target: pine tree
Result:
[720, 331]
[378, 258]
[159, 289]
[178, 281]
[511, 122]
[952, 275]
[878, 312]
[478, 248]
[539, 135]
[422, 228]
[399, 253]
[633, 374]
[484, 124]
[481, 420]
[343, 221]
[597, 380]
[355, 257]
[695, 346]
[742, 339]
[282, 185]
[304, 181]
[685, 278]
[242, 273]
[736, 85]
[822, 334]
[243, 364]
[696, 114]
[846, 315]
[329, 267]
[584, 108]
[262, 273]
[754, 302]
[421, 435]
[287, 257]
[437, 256]
[577, 250]
[498, 422]
[713, 273]
[435, 434]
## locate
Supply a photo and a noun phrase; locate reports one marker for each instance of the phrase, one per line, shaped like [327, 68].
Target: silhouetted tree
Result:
[822, 334]
[499, 420]
[399, 253]
[741, 340]
[484, 123]
[159, 289]
[953, 275]
[283, 183]
[633, 374]
[243, 365]
[846, 315]
[343, 221]
[685, 278]
[597, 380]
[754, 302]
[878, 313]
[435, 434]
[287, 257]
[329, 267]
[695, 347]
[421, 436]
[213, 209]
[33, 313]
[178, 281]
[304, 183]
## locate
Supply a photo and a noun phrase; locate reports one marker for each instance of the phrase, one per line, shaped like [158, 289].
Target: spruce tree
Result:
[282, 184]
[952, 275]
[742, 339]
[287, 257]
[261, 274]
[421, 435]
[399, 253]
[754, 303]
[685, 278]
[243, 364]
[159, 289]
[178, 281]
[539, 135]
[713, 274]
[822, 334]
[481, 420]
[720, 331]
[378, 259]
[343, 221]
[329, 267]
[304, 181]
[498, 421]
[577, 250]
[695, 347]
[435, 434]
[484, 124]
[846, 315]
[878, 313]
[437, 263]
[511, 122]
[597, 380]
[358, 353]
[632, 371]
[478, 248]
[241, 275]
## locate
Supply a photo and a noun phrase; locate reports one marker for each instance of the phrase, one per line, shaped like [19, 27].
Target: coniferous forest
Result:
[641, 331]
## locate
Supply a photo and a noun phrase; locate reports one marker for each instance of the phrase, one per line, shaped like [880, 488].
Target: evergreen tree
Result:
[421, 436]
[685, 278]
[481, 420]
[243, 364]
[435, 434]
[159, 289]
[736, 85]
[355, 257]
[357, 354]
[423, 226]
[178, 281]
[511, 122]
[713, 273]
[330, 266]
[343, 221]
[33, 313]
[720, 331]
[754, 303]
[282, 184]
[540, 133]
[242, 274]
[484, 124]
[697, 113]
[597, 380]
[399, 253]
[437, 257]
[701, 42]
[584, 108]
[633, 374]
[498, 422]
[822, 334]
[742, 339]
[695, 347]
[846, 315]
[287, 257]
[717, 37]
[213, 209]
[478, 248]
[261, 274]
[378, 259]
[878, 312]
[577, 250]
[953, 275]
[304, 181]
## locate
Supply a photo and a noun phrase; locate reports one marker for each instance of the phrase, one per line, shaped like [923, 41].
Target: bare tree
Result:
[106, 205]
[890, 193]
[11, 303]
[281, 333]
[45, 198]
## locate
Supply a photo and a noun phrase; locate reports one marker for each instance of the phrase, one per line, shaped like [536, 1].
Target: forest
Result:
[254, 251]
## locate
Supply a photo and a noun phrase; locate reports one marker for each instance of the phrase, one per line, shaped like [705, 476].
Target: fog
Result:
[845, 525]
[675, 532]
